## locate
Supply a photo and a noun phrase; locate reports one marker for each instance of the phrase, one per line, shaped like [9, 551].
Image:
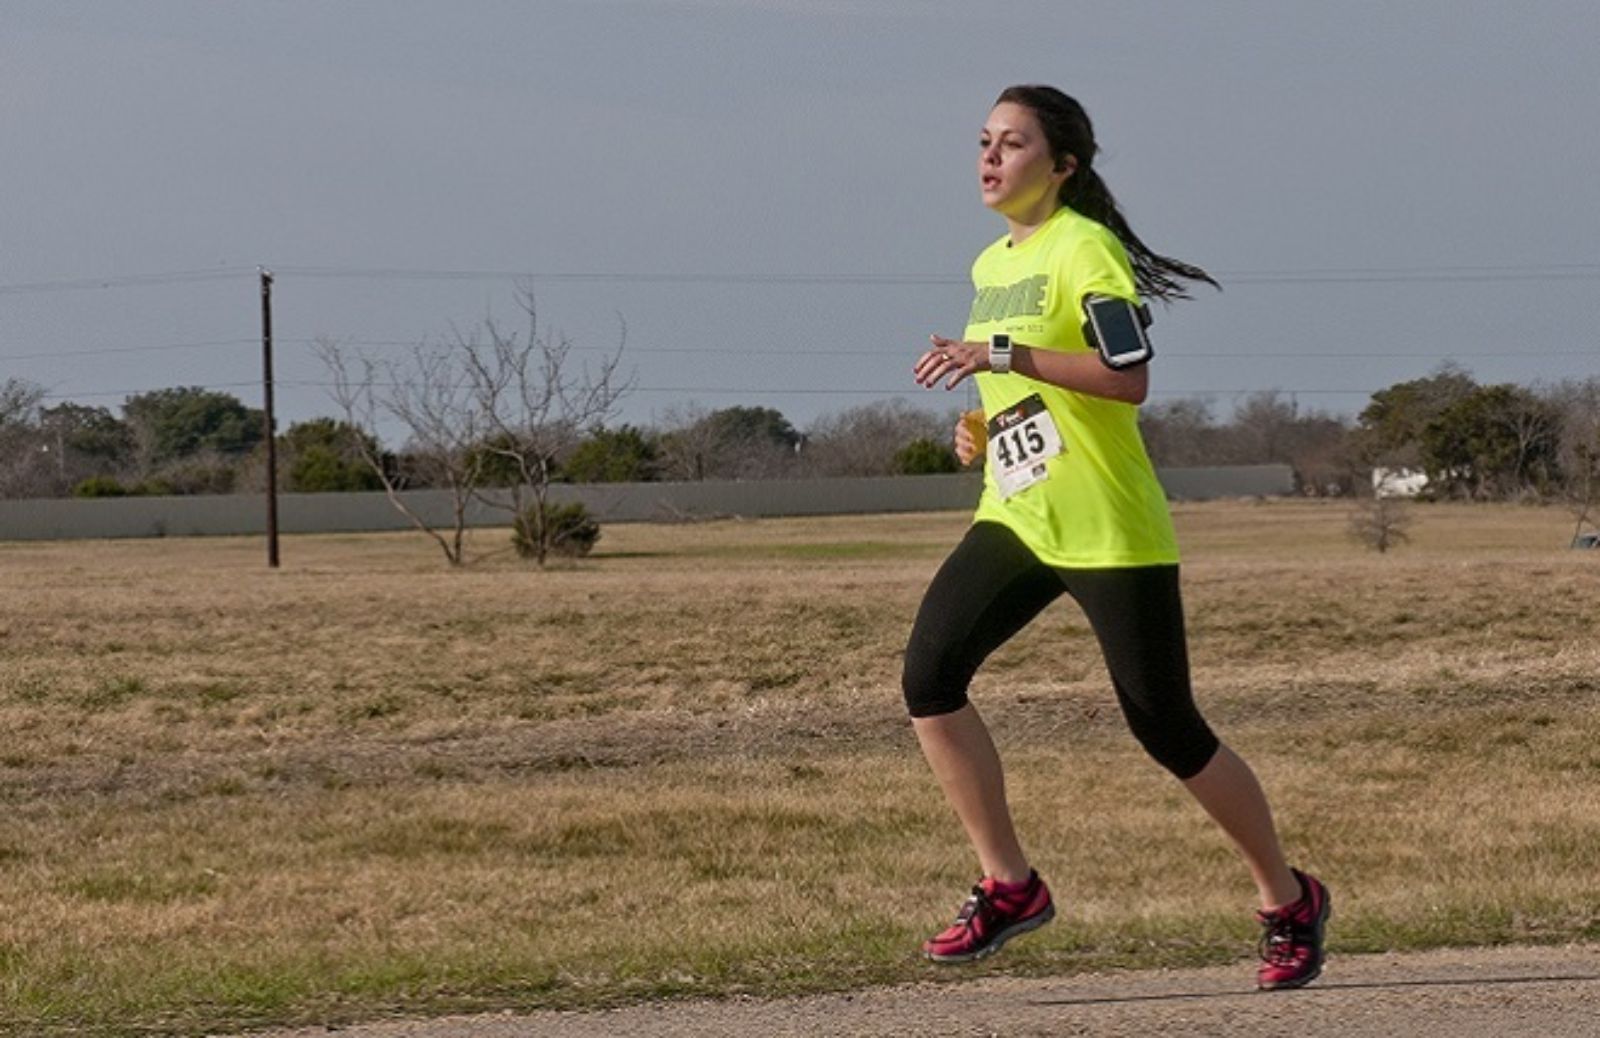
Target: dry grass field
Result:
[365, 784]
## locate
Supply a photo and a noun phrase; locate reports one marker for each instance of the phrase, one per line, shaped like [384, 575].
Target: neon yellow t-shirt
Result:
[1100, 505]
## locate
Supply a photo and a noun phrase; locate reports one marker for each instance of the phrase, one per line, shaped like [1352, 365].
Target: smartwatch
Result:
[1000, 353]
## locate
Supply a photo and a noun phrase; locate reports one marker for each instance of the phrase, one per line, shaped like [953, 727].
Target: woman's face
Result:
[1017, 176]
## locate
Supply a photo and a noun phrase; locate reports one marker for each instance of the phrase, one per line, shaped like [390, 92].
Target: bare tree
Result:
[1577, 403]
[864, 440]
[1264, 424]
[425, 393]
[1380, 519]
[488, 409]
[739, 442]
[537, 404]
[25, 462]
[1535, 428]
[1182, 432]
[19, 402]
[689, 443]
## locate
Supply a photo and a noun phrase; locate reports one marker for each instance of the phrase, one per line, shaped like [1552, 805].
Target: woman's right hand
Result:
[972, 436]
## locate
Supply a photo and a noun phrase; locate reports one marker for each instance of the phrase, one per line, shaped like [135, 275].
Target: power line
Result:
[175, 277]
[643, 352]
[108, 350]
[1313, 275]
[625, 277]
[1415, 275]
[1322, 275]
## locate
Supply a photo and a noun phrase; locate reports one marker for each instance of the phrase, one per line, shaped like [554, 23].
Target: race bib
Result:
[1022, 439]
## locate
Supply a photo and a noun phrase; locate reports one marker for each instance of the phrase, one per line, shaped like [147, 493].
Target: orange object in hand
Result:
[977, 436]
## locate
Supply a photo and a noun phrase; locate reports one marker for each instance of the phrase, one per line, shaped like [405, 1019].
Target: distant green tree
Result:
[168, 424]
[1496, 441]
[763, 425]
[925, 457]
[324, 455]
[93, 432]
[623, 455]
[1392, 424]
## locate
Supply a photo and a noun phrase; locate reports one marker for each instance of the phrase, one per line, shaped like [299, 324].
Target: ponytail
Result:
[1067, 128]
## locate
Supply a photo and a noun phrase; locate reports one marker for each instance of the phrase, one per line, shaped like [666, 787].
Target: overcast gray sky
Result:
[779, 198]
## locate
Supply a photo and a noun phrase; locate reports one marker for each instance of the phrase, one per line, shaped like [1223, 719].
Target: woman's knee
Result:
[1183, 749]
[933, 680]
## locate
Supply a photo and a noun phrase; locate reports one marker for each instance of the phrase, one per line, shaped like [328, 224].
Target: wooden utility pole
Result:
[271, 424]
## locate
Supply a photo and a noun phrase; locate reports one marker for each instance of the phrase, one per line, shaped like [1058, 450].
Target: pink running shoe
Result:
[1291, 942]
[995, 913]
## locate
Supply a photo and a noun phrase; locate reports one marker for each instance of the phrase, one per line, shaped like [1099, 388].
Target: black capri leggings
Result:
[992, 585]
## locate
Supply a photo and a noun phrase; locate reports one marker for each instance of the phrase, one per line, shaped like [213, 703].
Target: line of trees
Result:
[190, 440]
[1473, 441]
[169, 441]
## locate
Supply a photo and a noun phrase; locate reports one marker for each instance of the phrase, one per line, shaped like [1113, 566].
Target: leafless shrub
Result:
[863, 441]
[489, 408]
[1380, 518]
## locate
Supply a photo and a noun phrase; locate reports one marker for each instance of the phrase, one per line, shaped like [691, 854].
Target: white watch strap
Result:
[1000, 354]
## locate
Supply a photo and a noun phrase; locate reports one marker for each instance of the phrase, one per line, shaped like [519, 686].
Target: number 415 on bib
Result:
[1022, 438]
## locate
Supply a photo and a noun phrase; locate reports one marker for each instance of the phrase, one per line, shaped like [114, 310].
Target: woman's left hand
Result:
[951, 360]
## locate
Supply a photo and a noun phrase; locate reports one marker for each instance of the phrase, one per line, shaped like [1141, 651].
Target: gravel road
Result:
[1478, 993]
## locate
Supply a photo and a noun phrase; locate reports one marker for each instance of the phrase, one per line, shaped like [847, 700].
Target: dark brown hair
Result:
[1069, 132]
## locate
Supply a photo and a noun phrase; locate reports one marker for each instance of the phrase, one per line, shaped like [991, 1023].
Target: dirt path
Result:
[1481, 993]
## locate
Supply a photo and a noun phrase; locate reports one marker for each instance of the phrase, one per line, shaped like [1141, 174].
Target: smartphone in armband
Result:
[1115, 328]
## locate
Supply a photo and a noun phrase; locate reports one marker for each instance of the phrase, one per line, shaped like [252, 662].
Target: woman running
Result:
[1070, 504]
